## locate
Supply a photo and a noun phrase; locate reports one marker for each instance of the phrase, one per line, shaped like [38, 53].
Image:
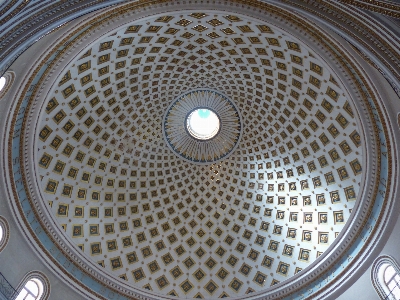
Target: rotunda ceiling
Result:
[250, 215]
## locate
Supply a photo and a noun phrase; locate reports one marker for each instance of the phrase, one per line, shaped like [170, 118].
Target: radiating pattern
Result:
[159, 221]
[198, 151]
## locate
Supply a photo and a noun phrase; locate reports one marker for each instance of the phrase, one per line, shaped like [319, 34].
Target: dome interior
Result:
[158, 221]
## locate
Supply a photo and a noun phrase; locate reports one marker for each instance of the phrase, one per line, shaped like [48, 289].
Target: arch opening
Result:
[32, 290]
[2, 83]
[385, 277]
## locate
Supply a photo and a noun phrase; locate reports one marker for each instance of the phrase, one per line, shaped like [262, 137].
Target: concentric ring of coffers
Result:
[225, 133]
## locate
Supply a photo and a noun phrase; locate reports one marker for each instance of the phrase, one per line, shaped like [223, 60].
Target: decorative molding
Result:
[196, 151]
[18, 35]
[358, 27]
[387, 8]
[372, 62]
[6, 233]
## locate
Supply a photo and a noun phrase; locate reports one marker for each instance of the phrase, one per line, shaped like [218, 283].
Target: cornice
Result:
[383, 7]
[358, 28]
[9, 12]
[23, 32]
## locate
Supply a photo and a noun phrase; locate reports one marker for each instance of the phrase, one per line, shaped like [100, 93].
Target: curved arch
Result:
[4, 233]
[385, 277]
[34, 284]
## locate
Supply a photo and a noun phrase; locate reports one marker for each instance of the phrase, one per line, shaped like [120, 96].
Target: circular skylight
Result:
[202, 124]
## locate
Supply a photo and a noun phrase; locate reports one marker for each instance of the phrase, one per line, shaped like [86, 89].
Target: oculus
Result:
[202, 124]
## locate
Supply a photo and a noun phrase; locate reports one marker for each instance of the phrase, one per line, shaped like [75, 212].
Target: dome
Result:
[141, 198]
[255, 218]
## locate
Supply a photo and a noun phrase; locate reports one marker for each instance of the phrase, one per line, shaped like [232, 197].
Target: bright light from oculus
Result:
[202, 124]
[2, 82]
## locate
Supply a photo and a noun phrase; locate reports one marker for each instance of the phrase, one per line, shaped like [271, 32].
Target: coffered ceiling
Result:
[259, 215]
